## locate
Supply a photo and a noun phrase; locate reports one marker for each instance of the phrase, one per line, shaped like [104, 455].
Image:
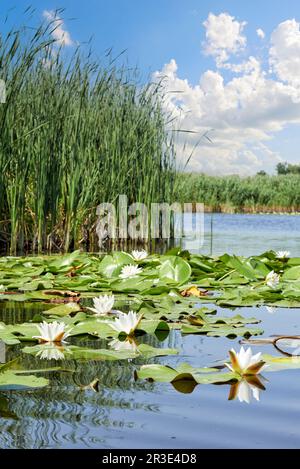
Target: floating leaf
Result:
[221, 330]
[185, 372]
[175, 269]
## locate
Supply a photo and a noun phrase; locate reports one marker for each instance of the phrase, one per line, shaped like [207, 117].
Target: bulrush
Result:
[54, 332]
[103, 305]
[130, 271]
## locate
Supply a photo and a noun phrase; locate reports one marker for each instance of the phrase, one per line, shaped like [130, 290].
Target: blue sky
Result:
[156, 32]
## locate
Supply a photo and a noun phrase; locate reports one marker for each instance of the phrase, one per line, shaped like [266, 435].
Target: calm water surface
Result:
[244, 234]
[130, 414]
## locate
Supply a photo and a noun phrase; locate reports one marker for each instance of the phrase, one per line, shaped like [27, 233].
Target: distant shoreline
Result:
[233, 194]
[250, 211]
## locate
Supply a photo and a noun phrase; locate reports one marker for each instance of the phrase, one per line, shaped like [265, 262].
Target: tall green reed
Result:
[74, 133]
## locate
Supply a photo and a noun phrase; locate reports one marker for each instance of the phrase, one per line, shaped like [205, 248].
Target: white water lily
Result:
[51, 353]
[282, 254]
[103, 304]
[130, 271]
[272, 279]
[270, 309]
[54, 332]
[126, 345]
[126, 322]
[2, 288]
[139, 255]
[244, 362]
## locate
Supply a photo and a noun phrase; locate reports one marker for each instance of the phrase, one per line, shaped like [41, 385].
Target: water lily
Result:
[272, 279]
[2, 288]
[282, 254]
[246, 389]
[130, 271]
[270, 309]
[244, 362]
[54, 332]
[51, 353]
[103, 304]
[139, 255]
[126, 322]
[124, 345]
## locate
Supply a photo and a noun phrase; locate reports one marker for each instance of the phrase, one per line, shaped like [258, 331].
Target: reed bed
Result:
[74, 133]
[260, 193]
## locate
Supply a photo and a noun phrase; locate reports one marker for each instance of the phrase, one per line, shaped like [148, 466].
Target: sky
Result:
[230, 69]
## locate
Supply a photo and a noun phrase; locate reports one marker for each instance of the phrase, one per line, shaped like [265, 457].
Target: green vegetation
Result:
[288, 168]
[73, 134]
[167, 281]
[260, 193]
[163, 295]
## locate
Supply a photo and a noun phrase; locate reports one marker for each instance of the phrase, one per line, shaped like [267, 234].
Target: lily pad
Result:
[185, 372]
[14, 379]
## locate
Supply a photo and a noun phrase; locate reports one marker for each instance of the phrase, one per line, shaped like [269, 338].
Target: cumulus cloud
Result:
[242, 112]
[260, 33]
[285, 52]
[59, 33]
[223, 36]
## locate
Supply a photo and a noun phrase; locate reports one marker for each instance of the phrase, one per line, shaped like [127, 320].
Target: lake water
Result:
[243, 234]
[126, 413]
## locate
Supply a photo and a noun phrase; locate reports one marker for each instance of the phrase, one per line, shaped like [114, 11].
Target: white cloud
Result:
[261, 34]
[62, 36]
[285, 52]
[245, 110]
[223, 36]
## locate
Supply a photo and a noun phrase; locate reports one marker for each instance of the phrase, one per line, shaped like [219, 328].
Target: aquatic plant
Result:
[129, 271]
[139, 255]
[244, 362]
[253, 194]
[103, 305]
[126, 322]
[74, 133]
[272, 279]
[54, 332]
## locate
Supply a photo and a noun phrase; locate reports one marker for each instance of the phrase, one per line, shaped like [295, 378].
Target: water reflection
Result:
[130, 343]
[51, 352]
[246, 390]
[125, 412]
[288, 345]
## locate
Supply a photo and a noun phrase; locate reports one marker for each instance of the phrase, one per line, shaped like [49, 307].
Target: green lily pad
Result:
[175, 269]
[11, 379]
[185, 372]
